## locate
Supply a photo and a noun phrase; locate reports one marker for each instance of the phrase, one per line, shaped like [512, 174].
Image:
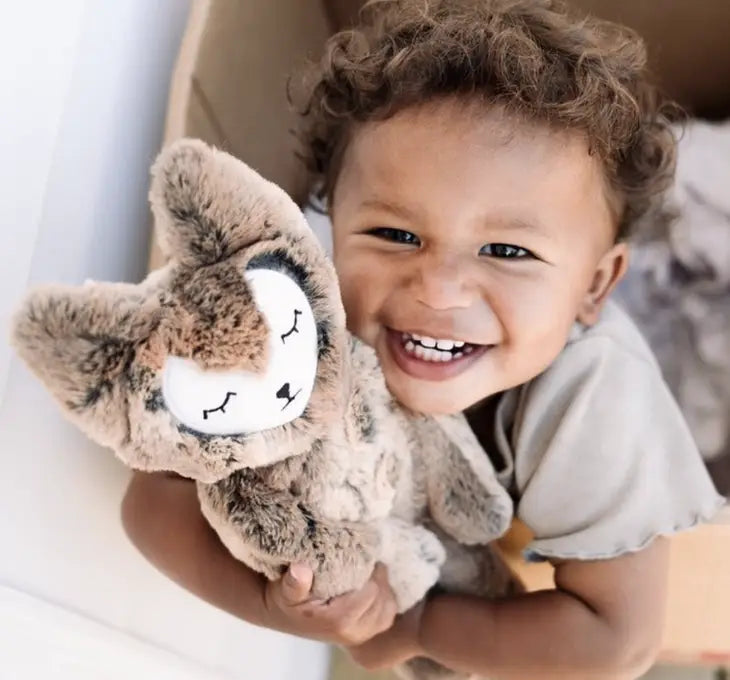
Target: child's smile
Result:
[467, 244]
[427, 358]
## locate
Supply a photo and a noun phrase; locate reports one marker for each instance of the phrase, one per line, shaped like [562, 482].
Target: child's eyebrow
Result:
[388, 206]
[517, 223]
[492, 220]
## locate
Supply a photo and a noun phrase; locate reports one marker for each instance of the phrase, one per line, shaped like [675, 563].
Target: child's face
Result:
[469, 229]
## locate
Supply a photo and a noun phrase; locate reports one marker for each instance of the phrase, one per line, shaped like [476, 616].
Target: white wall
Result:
[83, 87]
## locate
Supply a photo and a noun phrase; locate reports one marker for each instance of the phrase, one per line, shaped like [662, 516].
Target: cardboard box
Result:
[229, 88]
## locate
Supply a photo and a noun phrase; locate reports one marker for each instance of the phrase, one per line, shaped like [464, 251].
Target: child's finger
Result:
[348, 616]
[341, 615]
[380, 576]
[296, 585]
[349, 606]
[358, 616]
[381, 614]
[358, 602]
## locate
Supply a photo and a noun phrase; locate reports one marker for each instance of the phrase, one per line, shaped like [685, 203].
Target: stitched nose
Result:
[283, 392]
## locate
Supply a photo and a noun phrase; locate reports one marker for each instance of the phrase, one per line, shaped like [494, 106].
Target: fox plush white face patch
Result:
[242, 402]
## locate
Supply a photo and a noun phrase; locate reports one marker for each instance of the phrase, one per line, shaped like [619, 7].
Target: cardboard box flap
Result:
[229, 87]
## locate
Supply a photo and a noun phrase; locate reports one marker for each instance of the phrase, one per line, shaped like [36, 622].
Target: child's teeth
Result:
[429, 354]
[426, 348]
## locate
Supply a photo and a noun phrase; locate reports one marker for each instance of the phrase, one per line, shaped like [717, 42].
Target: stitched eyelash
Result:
[294, 328]
[221, 408]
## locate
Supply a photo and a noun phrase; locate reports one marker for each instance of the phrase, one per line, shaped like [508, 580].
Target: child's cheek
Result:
[354, 300]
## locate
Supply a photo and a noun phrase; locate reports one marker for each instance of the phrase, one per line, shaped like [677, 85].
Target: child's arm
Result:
[604, 620]
[162, 517]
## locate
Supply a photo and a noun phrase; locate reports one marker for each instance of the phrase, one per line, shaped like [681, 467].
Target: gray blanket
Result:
[678, 291]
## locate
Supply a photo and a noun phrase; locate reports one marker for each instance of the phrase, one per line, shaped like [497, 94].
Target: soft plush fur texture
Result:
[354, 480]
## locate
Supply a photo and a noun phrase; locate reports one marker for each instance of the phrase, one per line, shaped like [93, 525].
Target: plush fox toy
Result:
[232, 366]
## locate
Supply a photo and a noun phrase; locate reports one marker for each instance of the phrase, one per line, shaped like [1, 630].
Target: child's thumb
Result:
[297, 584]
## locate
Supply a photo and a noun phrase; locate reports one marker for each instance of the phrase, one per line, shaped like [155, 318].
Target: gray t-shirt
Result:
[596, 452]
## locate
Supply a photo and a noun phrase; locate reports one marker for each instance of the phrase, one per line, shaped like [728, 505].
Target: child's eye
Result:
[395, 235]
[505, 251]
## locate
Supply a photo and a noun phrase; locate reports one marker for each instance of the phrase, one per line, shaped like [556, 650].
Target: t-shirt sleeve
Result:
[604, 461]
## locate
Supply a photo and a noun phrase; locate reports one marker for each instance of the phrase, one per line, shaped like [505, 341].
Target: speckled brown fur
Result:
[354, 480]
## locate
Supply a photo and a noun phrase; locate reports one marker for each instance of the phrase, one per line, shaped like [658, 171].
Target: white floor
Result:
[42, 641]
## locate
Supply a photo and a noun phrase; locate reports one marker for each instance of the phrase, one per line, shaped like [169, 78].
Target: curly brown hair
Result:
[531, 57]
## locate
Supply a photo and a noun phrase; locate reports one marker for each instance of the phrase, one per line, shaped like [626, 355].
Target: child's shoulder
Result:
[615, 335]
[609, 362]
[602, 458]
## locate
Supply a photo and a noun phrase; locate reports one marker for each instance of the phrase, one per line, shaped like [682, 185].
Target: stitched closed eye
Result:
[221, 408]
[294, 328]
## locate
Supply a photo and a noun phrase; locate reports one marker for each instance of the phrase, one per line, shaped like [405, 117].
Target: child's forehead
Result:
[445, 121]
[441, 148]
[444, 132]
[447, 167]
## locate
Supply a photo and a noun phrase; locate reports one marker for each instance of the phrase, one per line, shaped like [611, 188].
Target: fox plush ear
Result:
[208, 204]
[80, 342]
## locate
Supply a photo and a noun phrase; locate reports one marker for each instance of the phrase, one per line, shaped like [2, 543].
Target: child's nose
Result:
[443, 282]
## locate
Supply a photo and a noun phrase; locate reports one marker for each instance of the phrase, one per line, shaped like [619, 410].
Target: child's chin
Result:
[428, 398]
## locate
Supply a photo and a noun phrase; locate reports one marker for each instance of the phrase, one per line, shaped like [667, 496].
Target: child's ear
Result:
[611, 269]
[208, 204]
[80, 343]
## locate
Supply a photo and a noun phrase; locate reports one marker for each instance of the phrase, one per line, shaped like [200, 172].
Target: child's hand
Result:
[349, 619]
[392, 647]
